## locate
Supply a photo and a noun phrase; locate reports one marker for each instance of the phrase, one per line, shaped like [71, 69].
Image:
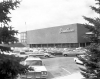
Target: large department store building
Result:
[60, 36]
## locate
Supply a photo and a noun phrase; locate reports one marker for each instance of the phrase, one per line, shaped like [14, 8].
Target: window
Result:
[34, 62]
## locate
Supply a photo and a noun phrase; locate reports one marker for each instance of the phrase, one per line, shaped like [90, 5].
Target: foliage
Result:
[10, 66]
[91, 62]
[7, 34]
[5, 8]
[92, 57]
[93, 24]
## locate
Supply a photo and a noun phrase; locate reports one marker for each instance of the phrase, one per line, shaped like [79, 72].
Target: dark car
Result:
[56, 52]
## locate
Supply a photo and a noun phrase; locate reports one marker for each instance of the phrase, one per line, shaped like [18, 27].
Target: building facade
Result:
[23, 37]
[60, 36]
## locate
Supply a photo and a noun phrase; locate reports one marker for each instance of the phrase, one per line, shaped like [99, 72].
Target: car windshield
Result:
[34, 62]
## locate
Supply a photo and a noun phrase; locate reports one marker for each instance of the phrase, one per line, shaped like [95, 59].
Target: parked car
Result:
[39, 70]
[22, 54]
[40, 54]
[71, 52]
[77, 61]
[68, 52]
[47, 55]
[56, 52]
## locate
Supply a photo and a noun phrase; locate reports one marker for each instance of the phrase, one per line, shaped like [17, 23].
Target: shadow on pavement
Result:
[50, 76]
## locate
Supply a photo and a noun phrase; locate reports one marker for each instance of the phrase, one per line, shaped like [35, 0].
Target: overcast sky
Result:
[36, 14]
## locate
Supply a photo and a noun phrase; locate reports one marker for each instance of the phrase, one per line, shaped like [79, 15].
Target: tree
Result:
[92, 56]
[10, 65]
[7, 34]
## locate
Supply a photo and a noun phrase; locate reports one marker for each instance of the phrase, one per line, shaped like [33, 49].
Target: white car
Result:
[39, 70]
[22, 54]
[39, 54]
[76, 59]
[47, 55]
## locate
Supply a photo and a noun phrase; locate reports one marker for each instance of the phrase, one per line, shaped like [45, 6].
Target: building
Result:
[59, 36]
[22, 38]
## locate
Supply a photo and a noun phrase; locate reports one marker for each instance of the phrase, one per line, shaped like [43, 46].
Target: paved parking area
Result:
[60, 66]
[76, 75]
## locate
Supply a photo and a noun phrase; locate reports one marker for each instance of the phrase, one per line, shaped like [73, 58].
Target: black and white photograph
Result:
[49, 39]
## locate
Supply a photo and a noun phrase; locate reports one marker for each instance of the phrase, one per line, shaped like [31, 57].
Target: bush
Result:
[10, 66]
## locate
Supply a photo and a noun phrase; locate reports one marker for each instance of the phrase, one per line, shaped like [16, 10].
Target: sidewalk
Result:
[72, 76]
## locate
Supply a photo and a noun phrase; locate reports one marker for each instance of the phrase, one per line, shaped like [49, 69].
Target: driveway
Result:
[60, 66]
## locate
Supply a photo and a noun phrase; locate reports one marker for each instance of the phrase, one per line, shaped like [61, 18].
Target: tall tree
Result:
[10, 65]
[92, 56]
[7, 34]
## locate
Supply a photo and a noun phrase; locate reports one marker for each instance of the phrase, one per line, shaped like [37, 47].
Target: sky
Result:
[37, 14]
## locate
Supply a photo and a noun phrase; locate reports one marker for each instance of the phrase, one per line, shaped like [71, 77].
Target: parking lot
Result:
[56, 63]
[60, 66]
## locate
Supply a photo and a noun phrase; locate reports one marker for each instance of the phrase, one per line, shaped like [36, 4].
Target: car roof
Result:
[32, 58]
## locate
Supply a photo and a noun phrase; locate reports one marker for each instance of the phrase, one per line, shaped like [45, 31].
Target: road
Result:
[60, 66]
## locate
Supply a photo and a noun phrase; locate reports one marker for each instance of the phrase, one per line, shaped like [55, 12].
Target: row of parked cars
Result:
[68, 52]
[49, 52]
